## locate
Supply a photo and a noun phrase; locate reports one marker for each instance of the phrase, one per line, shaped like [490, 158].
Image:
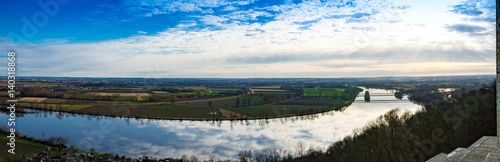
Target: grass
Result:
[274, 110]
[274, 93]
[77, 107]
[155, 111]
[174, 111]
[254, 100]
[22, 147]
[323, 91]
[5, 93]
[298, 106]
[180, 87]
[314, 101]
[224, 89]
[54, 106]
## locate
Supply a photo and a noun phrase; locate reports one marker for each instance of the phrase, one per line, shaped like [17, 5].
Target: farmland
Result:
[322, 91]
[178, 100]
[155, 111]
[290, 107]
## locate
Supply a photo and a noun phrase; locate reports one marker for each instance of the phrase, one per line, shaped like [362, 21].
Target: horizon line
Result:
[351, 77]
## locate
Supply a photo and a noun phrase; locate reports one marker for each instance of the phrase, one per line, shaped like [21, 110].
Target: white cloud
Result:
[276, 48]
[213, 20]
[230, 8]
[170, 6]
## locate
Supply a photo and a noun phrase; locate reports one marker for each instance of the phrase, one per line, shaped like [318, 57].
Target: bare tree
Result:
[194, 159]
[212, 158]
[172, 99]
[301, 148]
[184, 157]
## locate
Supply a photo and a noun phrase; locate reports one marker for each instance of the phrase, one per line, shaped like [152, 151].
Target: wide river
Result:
[224, 139]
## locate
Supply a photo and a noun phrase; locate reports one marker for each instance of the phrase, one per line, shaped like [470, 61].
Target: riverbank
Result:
[23, 148]
[215, 109]
[223, 115]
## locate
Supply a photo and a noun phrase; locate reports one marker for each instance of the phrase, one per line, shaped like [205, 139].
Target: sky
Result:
[249, 38]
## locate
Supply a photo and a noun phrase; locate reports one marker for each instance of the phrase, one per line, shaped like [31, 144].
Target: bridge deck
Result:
[379, 101]
[377, 94]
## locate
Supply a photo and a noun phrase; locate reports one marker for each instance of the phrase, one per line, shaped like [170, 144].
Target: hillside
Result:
[398, 136]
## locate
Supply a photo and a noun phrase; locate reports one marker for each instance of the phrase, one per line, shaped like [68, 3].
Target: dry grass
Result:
[32, 99]
[119, 94]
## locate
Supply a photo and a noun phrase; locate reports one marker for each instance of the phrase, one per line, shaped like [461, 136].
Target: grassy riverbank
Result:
[257, 106]
[23, 147]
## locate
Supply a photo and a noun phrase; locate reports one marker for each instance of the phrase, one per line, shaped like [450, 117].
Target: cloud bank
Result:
[278, 39]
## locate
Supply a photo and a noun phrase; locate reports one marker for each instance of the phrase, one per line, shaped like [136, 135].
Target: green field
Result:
[54, 106]
[273, 93]
[22, 147]
[274, 110]
[297, 106]
[314, 102]
[253, 100]
[323, 91]
[225, 89]
[155, 111]
[76, 107]
[173, 111]
[194, 87]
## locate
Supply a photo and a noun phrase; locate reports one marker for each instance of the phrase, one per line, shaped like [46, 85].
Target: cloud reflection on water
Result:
[223, 139]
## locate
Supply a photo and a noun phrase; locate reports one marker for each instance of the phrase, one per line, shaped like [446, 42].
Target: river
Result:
[224, 139]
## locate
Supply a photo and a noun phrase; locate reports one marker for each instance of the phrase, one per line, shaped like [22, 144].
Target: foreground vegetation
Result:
[23, 147]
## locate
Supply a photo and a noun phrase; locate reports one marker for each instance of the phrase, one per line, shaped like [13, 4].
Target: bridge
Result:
[383, 101]
[377, 94]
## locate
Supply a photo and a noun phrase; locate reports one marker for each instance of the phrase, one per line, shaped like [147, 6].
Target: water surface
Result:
[224, 139]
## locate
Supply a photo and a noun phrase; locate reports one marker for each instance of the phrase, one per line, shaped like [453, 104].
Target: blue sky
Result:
[249, 38]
